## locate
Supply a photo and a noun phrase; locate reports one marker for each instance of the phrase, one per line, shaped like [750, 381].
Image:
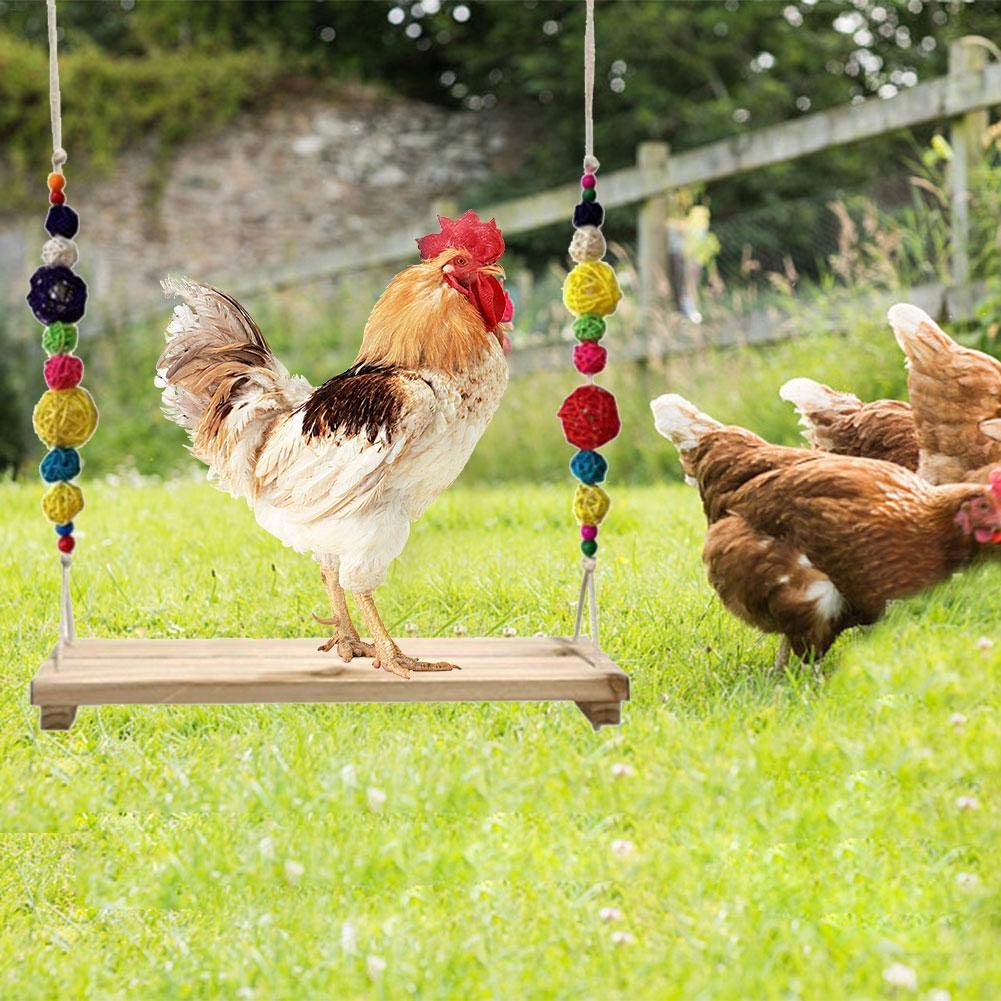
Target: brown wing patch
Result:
[363, 400]
[883, 429]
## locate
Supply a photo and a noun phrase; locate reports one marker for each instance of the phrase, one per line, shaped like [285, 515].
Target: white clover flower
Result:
[610, 914]
[622, 848]
[293, 872]
[376, 799]
[985, 643]
[349, 938]
[958, 720]
[900, 977]
[622, 938]
[376, 966]
[621, 770]
[967, 803]
[967, 879]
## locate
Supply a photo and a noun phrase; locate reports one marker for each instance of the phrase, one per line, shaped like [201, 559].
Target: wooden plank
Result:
[129, 672]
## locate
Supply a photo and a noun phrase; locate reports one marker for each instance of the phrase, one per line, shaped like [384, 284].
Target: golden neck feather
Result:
[420, 321]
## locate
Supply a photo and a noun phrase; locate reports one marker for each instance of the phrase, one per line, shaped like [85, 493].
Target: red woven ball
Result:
[589, 417]
[66, 543]
[63, 371]
[56, 197]
[589, 357]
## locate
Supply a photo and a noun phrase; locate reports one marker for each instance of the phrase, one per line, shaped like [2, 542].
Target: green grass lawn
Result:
[772, 835]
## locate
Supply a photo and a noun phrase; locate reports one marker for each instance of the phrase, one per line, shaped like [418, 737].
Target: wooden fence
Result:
[963, 96]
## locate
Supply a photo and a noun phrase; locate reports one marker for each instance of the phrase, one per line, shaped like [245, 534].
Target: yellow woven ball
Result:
[65, 417]
[62, 502]
[591, 288]
[590, 504]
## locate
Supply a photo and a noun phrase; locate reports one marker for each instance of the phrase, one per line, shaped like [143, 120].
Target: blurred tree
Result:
[684, 72]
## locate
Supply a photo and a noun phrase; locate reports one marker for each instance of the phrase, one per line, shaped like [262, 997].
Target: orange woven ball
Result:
[56, 181]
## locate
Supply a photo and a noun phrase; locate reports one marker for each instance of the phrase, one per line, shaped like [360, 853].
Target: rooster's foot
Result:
[398, 663]
[347, 645]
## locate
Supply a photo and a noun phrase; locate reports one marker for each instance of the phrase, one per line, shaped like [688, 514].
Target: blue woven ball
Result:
[66, 529]
[588, 466]
[60, 464]
[588, 214]
[62, 221]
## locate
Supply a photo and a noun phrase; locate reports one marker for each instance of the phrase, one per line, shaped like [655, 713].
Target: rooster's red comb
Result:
[483, 240]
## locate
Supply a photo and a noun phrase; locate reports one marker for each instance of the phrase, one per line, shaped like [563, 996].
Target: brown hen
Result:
[807, 544]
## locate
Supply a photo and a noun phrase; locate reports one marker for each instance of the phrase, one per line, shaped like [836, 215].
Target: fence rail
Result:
[971, 86]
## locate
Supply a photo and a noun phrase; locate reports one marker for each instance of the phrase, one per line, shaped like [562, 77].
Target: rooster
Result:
[341, 471]
[808, 544]
[955, 395]
[841, 423]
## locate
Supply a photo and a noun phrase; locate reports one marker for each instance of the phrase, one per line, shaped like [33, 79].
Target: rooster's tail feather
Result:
[220, 380]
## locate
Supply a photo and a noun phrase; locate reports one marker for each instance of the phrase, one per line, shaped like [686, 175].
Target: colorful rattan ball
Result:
[65, 418]
[62, 221]
[588, 532]
[56, 181]
[56, 197]
[590, 504]
[588, 195]
[57, 295]
[64, 371]
[591, 287]
[587, 244]
[66, 529]
[60, 252]
[589, 547]
[589, 327]
[588, 214]
[59, 338]
[588, 181]
[61, 503]
[590, 417]
[66, 544]
[589, 358]
[589, 466]
[60, 464]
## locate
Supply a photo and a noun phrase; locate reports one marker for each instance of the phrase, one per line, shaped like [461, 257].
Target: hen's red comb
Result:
[482, 240]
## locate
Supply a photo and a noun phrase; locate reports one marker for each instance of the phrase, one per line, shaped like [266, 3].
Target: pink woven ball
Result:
[588, 532]
[588, 181]
[63, 372]
[589, 357]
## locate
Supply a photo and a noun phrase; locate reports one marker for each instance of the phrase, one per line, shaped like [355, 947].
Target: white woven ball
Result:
[587, 244]
[60, 251]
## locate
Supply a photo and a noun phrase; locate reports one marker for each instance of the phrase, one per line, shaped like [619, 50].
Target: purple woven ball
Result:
[62, 221]
[57, 295]
[588, 214]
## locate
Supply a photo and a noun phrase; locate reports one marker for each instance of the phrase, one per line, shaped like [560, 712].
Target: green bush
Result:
[110, 104]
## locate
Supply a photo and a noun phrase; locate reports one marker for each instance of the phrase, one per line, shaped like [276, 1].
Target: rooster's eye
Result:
[461, 261]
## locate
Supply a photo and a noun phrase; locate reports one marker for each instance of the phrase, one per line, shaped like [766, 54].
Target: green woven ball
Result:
[588, 195]
[589, 327]
[589, 547]
[59, 338]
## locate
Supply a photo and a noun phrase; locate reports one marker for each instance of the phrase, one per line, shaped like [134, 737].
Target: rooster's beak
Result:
[493, 269]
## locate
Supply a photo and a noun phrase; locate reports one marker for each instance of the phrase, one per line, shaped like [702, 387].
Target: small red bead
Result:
[588, 181]
[589, 357]
[56, 197]
[66, 543]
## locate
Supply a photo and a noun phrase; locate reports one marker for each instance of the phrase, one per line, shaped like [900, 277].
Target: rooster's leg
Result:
[388, 655]
[782, 654]
[345, 638]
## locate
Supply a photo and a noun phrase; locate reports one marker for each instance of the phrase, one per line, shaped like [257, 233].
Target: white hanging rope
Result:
[588, 592]
[590, 162]
[67, 627]
[55, 101]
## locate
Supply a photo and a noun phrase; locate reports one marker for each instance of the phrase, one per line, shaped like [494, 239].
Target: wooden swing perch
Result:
[95, 672]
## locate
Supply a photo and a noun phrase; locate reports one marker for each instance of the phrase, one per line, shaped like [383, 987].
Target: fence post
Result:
[966, 137]
[651, 233]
